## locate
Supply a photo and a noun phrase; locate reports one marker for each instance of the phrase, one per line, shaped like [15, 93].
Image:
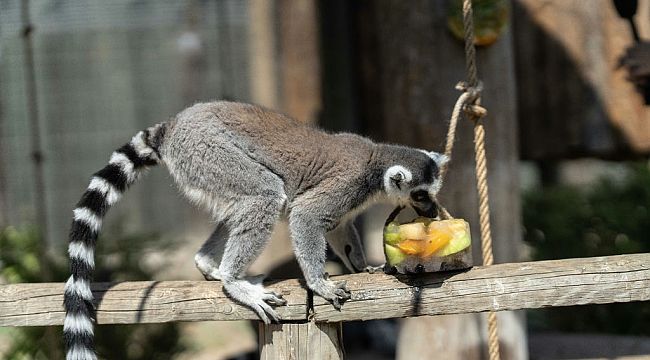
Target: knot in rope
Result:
[471, 105]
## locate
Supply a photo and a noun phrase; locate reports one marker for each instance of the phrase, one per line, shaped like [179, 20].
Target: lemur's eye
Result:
[420, 196]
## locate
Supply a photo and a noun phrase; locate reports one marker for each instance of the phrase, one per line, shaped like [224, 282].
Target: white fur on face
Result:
[434, 188]
[392, 171]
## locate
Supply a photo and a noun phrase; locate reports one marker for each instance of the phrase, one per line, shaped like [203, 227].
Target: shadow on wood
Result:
[598, 280]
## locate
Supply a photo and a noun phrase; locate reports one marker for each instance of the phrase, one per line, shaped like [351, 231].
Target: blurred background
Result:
[568, 138]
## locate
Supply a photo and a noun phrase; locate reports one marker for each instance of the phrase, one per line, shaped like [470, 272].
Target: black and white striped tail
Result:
[105, 189]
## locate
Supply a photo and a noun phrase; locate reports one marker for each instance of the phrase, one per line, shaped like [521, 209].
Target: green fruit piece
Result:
[391, 233]
[456, 244]
[392, 238]
[394, 256]
[391, 228]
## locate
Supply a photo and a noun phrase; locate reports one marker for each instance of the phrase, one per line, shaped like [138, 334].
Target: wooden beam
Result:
[301, 341]
[600, 280]
[142, 302]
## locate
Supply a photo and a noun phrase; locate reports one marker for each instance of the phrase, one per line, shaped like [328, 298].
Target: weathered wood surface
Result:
[142, 302]
[599, 280]
[301, 341]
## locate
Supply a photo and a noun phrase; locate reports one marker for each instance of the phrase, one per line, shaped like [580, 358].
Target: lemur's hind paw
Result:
[333, 291]
[273, 298]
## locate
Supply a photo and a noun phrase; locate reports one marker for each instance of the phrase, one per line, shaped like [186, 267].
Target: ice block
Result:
[427, 245]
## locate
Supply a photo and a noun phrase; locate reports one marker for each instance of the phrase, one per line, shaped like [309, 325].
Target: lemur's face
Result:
[417, 182]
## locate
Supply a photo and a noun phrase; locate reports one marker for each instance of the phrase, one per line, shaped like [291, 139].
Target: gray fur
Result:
[249, 166]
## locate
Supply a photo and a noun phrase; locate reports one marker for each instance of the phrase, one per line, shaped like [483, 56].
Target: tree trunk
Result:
[410, 65]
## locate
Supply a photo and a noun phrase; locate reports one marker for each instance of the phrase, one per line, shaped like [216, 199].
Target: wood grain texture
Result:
[599, 280]
[301, 341]
[142, 302]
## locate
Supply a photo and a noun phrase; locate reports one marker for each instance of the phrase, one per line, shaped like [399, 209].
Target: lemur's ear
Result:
[397, 179]
[396, 176]
[440, 159]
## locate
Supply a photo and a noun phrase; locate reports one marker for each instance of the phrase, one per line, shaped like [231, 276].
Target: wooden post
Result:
[298, 83]
[300, 341]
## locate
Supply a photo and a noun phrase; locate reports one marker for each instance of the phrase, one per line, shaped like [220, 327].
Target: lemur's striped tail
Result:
[105, 189]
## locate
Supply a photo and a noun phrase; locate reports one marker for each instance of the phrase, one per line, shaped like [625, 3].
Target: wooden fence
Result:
[310, 326]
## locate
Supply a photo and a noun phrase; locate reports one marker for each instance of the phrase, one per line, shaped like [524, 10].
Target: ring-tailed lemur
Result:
[249, 166]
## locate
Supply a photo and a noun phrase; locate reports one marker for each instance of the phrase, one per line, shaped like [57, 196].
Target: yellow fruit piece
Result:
[413, 231]
[421, 219]
[461, 238]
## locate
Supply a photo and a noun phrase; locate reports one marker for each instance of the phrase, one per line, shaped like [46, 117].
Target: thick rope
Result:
[470, 51]
[466, 102]
[469, 102]
[484, 219]
[481, 167]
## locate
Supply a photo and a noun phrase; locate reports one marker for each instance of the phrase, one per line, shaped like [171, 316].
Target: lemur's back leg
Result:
[209, 256]
[250, 226]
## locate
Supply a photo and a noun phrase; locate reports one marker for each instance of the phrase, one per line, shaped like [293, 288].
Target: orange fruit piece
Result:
[411, 247]
[437, 240]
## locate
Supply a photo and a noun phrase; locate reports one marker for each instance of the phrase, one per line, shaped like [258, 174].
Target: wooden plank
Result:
[303, 341]
[599, 280]
[142, 302]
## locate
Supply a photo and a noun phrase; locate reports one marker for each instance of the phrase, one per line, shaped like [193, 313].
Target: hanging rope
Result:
[469, 103]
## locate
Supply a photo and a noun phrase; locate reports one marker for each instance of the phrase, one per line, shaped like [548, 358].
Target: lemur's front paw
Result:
[333, 291]
[251, 292]
[373, 269]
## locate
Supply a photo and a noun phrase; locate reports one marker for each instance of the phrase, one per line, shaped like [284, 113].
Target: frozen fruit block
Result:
[427, 245]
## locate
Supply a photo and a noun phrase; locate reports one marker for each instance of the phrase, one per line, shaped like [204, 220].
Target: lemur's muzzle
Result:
[429, 209]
